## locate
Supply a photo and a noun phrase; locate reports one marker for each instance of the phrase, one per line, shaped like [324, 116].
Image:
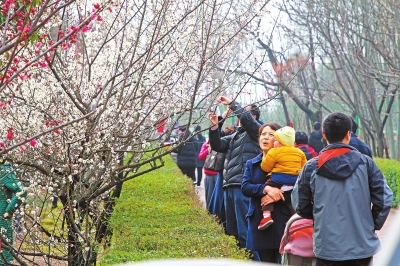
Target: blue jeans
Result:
[209, 185]
[236, 207]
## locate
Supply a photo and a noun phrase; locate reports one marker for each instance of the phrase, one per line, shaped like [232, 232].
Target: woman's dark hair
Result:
[272, 125]
[335, 127]
[354, 125]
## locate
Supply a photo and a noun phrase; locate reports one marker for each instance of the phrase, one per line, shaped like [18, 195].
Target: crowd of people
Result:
[273, 172]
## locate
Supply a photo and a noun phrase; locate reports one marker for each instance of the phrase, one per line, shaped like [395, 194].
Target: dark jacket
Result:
[316, 141]
[239, 147]
[360, 145]
[347, 195]
[186, 154]
[252, 186]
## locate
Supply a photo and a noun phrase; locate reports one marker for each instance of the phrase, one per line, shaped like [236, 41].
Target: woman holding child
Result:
[265, 242]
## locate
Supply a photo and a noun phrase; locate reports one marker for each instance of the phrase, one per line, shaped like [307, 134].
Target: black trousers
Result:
[199, 175]
[270, 255]
[359, 262]
[189, 171]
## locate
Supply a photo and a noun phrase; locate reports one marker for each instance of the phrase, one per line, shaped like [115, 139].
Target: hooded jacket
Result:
[316, 141]
[337, 189]
[239, 147]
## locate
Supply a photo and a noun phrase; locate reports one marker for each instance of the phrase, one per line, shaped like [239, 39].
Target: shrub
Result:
[391, 170]
[159, 216]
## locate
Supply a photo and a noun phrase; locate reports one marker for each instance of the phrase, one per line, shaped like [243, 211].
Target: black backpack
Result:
[304, 148]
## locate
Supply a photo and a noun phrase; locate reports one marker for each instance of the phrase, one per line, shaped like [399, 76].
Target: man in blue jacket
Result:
[356, 142]
[347, 196]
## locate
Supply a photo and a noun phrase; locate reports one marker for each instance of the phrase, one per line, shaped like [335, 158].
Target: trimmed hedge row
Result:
[160, 216]
[391, 170]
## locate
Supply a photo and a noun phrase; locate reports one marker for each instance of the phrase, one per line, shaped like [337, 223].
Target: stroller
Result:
[297, 243]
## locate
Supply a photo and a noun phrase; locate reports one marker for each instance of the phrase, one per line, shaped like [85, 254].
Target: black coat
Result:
[316, 141]
[239, 147]
[187, 152]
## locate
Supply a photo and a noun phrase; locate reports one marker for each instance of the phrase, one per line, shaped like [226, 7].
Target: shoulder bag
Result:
[214, 161]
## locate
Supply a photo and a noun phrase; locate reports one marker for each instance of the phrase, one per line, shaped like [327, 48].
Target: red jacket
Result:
[310, 149]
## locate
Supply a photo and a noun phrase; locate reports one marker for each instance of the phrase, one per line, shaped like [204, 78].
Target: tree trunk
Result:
[398, 130]
[390, 137]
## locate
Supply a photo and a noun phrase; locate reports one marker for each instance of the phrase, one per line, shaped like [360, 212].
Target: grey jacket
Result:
[239, 147]
[338, 194]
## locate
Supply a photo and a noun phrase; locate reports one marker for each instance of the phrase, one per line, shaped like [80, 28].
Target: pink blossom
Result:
[65, 46]
[10, 133]
[27, 29]
[74, 28]
[23, 148]
[43, 64]
[39, 44]
[33, 143]
[97, 6]
[109, 9]
[85, 29]
[2, 104]
[2, 144]
[16, 60]
[57, 131]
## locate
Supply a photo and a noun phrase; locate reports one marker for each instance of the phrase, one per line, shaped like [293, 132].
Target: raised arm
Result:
[247, 121]
[216, 142]
[203, 151]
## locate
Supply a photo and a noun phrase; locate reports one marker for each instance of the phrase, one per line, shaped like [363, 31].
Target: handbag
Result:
[214, 161]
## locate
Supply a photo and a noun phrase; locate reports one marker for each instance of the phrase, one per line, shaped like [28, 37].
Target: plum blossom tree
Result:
[81, 102]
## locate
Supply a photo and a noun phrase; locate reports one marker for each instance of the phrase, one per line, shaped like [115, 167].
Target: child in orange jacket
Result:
[283, 164]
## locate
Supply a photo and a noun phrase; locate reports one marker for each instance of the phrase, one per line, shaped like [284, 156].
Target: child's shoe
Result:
[265, 222]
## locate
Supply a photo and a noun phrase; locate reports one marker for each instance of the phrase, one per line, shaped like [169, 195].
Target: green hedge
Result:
[159, 216]
[391, 170]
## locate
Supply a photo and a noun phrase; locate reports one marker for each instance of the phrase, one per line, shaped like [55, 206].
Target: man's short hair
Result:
[336, 126]
[354, 125]
[301, 137]
[317, 125]
[255, 111]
